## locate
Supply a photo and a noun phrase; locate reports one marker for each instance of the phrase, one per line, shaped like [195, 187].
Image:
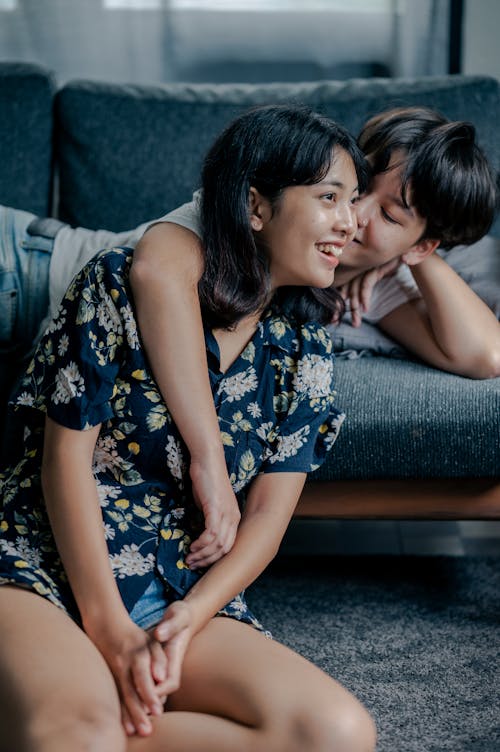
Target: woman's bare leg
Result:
[241, 691]
[56, 691]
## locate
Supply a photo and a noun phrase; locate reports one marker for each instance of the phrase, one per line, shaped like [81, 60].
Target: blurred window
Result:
[285, 5]
[132, 4]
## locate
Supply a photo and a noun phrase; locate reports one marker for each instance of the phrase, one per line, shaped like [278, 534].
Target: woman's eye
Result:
[355, 200]
[328, 196]
[387, 217]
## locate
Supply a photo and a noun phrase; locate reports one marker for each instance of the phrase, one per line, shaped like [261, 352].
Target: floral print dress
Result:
[275, 409]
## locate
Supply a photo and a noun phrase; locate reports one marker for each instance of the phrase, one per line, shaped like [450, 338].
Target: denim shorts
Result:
[150, 607]
[26, 244]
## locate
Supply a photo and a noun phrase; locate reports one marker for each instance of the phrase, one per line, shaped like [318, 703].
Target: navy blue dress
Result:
[275, 409]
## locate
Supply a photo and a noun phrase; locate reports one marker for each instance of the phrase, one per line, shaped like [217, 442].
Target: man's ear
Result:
[420, 251]
[259, 209]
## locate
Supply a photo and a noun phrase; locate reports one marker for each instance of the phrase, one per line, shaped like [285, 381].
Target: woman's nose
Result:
[346, 219]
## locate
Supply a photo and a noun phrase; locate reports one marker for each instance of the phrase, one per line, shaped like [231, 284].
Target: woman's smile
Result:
[311, 224]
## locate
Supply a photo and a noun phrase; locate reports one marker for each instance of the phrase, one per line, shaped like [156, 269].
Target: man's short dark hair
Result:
[445, 175]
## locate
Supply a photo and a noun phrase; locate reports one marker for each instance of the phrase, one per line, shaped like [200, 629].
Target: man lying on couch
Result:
[431, 186]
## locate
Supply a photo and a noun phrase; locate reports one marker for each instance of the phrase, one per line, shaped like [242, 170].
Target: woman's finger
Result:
[127, 722]
[175, 650]
[175, 620]
[158, 662]
[142, 677]
[136, 711]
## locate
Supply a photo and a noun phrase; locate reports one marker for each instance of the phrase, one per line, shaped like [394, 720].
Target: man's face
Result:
[387, 229]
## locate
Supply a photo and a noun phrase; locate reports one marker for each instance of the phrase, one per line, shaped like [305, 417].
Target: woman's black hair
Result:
[268, 148]
[445, 175]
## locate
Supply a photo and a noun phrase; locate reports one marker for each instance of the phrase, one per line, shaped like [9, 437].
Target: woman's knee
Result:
[331, 727]
[347, 729]
[84, 728]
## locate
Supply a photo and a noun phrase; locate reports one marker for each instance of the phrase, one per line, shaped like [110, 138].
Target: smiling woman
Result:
[123, 530]
[307, 220]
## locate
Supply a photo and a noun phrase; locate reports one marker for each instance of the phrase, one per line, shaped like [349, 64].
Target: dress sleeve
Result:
[312, 422]
[73, 372]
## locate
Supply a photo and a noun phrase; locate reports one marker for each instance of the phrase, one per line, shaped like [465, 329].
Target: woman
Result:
[128, 649]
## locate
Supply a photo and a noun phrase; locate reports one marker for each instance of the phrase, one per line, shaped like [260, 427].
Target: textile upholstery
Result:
[126, 154]
[143, 145]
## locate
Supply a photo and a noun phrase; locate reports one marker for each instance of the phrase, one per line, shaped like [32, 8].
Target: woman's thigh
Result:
[56, 690]
[233, 671]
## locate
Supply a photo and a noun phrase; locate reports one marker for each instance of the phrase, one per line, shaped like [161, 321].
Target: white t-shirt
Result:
[388, 294]
[478, 265]
[73, 247]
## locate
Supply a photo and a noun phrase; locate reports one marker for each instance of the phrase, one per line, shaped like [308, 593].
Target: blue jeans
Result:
[24, 276]
[149, 609]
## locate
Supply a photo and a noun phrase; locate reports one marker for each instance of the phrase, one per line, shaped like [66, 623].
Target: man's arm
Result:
[449, 327]
[166, 269]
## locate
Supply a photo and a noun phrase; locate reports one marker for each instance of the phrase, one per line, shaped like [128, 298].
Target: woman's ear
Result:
[419, 251]
[259, 210]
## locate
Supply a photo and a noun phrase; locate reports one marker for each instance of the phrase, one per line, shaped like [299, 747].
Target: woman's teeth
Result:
[329, 248]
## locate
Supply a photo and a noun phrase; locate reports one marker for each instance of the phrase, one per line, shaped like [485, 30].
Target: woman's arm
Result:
[70, 494]
[270, 504]
[449, 327]
[166, 269]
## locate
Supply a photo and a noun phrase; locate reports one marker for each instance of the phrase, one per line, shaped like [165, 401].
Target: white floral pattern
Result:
[130, 561]
[235, 387]
[275, 410]
[314, 375]
[69, 384]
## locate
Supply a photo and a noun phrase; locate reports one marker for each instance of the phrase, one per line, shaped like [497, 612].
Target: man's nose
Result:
[364, 210]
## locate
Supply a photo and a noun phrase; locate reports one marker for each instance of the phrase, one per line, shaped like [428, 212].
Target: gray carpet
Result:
[417, 639]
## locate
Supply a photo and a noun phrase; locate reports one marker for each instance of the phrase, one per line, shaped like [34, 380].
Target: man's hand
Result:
[358, 292]
[213, 494]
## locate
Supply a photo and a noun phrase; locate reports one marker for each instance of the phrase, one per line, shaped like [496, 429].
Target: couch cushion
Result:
[26, 99]
[131, 153]
[406, 420]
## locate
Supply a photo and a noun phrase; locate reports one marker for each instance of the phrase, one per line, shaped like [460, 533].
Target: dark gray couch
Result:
[418, 441]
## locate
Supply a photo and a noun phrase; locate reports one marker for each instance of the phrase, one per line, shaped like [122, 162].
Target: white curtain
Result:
[147, 41]
[421, 34]
[89, 38]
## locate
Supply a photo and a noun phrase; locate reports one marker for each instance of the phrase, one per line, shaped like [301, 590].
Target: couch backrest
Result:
[26, 101]
[130, 153]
